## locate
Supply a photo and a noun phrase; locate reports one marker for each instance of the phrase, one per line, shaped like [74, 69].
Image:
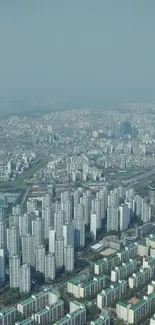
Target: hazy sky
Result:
[85, 52]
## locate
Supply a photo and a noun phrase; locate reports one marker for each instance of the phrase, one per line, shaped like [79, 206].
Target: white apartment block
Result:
[8, 316]
[37, 302]
[106, 263]
[132, 313]
[50, 313]
[77, 317]
[101, 320]
[107, 296]
[27, 321]
[123, 271]
[141, 277]
[88, 287]
[128, 252]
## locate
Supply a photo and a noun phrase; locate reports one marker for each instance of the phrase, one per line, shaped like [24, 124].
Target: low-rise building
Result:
[106, 264]
[88, 287]
[50, 313]
[143, 249]
[77, 317]
[114, 292]
[152, 320]
[27, 321]
[133, 313]
[37, 302]
[128, 252]
[102, 320]
[8, 316]
[123, 271]
[141, 277]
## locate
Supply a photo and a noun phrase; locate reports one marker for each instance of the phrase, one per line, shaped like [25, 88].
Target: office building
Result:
[49, 266]
[69, 258]
[25, 278]
[14, 264]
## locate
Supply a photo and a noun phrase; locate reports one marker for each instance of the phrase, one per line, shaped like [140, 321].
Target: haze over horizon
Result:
[80, 53]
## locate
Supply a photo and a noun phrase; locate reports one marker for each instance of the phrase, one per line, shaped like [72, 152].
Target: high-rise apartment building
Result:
[14, 264]
[69, 258]
[79, 232]
[59, 252]
[58, 223]
[40, 259]
[38, 231]
[50, 266]
[52, 238]
[28, 250]
[24, 278]
[13, 241]
[112, 218]
[68, 234]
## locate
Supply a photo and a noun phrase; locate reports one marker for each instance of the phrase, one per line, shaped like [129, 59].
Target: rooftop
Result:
[7, 311]
[25, 321]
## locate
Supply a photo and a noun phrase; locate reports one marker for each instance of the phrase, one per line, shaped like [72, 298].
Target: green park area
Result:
[27, 175]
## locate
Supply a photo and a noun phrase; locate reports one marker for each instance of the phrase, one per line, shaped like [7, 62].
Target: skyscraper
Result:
[79, 211]
[66, 207]
[14, 264]
[52, 238]
[28, 250]
[40, 259]
[146, 212]
[96, 207]
[38, 231]
[13, 241]
[68, 233]
[58, 223]
[79, 232]
[50, 266]
[93, 225]
[124, 217]
[2, 264]
[59, 252]
[24, 225]
[2, 234]
[112, 218]
[69, 258]
[47, 216]
[24, 278]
